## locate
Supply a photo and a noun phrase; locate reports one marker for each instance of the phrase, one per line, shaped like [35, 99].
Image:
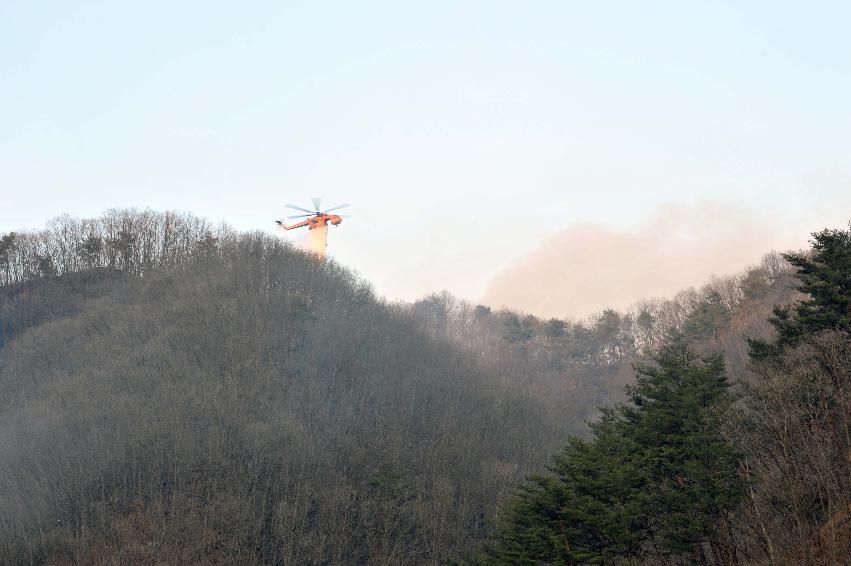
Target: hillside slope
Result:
[250, 404]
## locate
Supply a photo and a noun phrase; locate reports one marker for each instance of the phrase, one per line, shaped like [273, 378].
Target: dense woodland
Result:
[173, 392]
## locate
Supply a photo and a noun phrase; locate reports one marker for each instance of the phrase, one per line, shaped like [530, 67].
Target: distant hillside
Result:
[573, 367]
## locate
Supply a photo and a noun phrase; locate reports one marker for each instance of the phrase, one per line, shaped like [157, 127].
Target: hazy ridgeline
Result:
[577, 366]
[173, 390]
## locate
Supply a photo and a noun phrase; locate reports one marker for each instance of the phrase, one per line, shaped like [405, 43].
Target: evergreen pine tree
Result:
[825, 276]
[691, 469]
[656, 478]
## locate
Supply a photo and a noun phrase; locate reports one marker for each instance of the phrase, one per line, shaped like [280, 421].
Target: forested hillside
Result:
[175, 392]
[697, 469]
[575, 367]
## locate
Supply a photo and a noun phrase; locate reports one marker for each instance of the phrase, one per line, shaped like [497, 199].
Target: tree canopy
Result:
[824, 276]
[656, 478]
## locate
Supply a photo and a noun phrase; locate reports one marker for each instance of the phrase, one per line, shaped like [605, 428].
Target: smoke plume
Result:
[588, 267]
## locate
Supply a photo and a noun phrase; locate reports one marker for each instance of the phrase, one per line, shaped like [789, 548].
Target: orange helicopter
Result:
[316, 219]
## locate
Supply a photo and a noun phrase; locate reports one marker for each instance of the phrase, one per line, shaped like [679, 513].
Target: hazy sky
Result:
[465, 134]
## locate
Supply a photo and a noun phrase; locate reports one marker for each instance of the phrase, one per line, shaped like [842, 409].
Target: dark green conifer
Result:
[825, 276]
[656, 479]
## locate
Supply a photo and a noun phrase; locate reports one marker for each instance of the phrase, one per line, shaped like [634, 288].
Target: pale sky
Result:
[464, 134]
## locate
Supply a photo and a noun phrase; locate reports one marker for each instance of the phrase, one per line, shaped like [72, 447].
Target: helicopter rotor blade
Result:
[338, 207]
[298, 208]
[300, 216]
[317, 203]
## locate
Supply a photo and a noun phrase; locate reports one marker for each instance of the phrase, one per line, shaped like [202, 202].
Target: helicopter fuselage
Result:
[315, 222]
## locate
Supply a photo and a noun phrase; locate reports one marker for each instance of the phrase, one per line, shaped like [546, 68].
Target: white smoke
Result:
[588, 267]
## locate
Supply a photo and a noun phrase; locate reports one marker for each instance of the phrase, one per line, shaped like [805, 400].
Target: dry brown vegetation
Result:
[793, 427]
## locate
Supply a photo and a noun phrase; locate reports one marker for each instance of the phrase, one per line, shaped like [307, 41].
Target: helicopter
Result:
[314, 218]
[317, 221]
